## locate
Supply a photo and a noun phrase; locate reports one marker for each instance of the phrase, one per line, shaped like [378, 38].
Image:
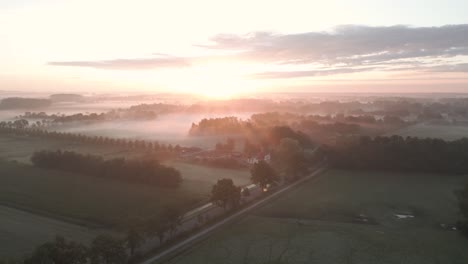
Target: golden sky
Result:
[222, 48]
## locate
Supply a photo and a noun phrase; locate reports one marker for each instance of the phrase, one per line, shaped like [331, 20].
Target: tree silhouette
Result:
[105, 249]
[263, 174]
[225, 193]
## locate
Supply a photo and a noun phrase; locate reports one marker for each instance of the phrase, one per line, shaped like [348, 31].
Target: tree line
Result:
[138, 171]
[316, 125]
[402, 154]
[22, 128]
[118, 114]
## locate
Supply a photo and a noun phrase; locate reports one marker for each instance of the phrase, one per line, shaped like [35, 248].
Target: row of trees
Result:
[138, 171]
[116, 114]
[402, 154]
[22, 129]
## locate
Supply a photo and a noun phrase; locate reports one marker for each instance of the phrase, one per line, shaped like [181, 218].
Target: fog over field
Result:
[170, 128]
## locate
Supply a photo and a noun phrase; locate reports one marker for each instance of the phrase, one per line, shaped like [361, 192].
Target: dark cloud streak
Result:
[129, 64]
[353, 45]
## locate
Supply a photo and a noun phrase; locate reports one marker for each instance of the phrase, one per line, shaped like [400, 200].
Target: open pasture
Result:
[347, 217]
[21, 232]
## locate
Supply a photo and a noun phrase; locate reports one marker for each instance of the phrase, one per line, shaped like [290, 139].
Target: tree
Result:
[133, 240]
[225, 193]
[158, 226]
[263, 174]
[172, 216]
[59, 251]
[105, 249]
[289, 157]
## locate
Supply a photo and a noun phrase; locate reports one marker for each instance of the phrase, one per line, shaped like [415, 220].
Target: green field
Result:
[209, 175]
[53, 202]
[21, 232]
[101, 200]
[347, 217]
[50, 202]
[429, 130]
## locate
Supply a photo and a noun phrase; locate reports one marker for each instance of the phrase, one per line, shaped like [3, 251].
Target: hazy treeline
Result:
[92, 117]
[24, 103]
[67, 97]
[218, 126]
[139, 171]
[338, 124]
[396, 153]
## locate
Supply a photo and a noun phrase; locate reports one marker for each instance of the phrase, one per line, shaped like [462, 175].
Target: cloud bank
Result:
[346, 49]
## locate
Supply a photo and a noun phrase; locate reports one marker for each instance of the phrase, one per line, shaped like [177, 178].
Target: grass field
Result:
[21, 232]
[209, 175]
[20, 148]
[347, 217]
[428, 130]
[47, 202]
[102, 200]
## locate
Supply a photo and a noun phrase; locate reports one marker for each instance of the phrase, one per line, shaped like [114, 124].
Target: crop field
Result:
[21, 232]
[347, 217]
[428, 130]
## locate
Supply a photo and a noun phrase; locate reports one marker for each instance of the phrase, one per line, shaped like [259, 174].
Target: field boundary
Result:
[57, 217]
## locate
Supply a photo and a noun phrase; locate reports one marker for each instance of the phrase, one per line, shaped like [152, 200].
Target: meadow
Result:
[37, 204]
[347, 217]
[432, 130]
[21, 231]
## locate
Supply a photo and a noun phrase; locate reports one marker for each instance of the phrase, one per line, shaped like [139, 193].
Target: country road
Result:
[206, 231]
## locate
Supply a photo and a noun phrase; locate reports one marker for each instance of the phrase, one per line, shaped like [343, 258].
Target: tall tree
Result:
[133, 240]
[225, 193]
[158, 226]
[289, 158]
[263, 174]
[173, 215]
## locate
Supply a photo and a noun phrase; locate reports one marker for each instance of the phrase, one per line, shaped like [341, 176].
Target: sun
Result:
[209, 81]
[220, 81]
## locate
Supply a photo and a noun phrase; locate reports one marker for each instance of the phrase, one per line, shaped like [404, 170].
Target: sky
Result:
[223, 48]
